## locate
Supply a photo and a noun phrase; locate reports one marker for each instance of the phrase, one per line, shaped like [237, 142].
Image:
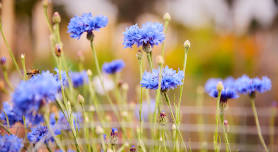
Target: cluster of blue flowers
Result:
[12, 115]
[150, 33]
[242, 85]
[113, 67]
[85, 23]
[10, 143]
[170, 79]
[41, 134]
[31, 95]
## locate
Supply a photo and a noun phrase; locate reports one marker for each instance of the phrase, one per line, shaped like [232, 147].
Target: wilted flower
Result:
[170, 79]
[10, 143]
[246, 85]
[85, 23]
[12, 115]
[113, 67]
[150, 34]
[229, 91]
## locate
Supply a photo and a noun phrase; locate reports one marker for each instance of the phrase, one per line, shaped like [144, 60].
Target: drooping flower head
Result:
[228, 92]
[85, 23]
[40, 134]
[10, 143]
[149, 34]
[113, 67]
[246, 85]
[12, 115]
[30, 95]
[170, 79]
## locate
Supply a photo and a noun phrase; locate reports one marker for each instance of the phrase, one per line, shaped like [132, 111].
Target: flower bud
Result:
[139, 54]
[226, 122]
[167, 17]
[45, 3]
[89, 72]
[3, 60]
[80, 99]
[125, 86]
[58, 50]
[90, 36]
[187, 44]
[132, 148]
[114, 136]
[22, 56]
[174, 127]
[219, 86]
[56, 18]
[124, 114]
[163, 118]
[159, 60]
[99, 130]
[147, 48]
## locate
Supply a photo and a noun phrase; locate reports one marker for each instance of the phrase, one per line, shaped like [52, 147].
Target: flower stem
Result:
[252, 101]
[165, 31]
[6, 129]
[272, 127]
[216, 144]
[228, 148]
[173, 116]
[141, 104]
[24, 67]
[9, 49]
[149, 57]
[6, 78]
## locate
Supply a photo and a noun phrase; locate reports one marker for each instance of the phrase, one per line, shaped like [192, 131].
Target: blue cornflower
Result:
[85, 23]
[40, 133]
[229, 91]
[77, 78]
[62, 121]
[30, 95]
[113, 67]
[10, 143]
[170, 79]
[11, 114]
[246, 85]
[150, 34]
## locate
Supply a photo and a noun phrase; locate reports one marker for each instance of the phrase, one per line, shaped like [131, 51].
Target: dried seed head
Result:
[56, 18]
[167, 17]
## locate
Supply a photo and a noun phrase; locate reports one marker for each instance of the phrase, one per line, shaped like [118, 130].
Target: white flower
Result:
[107, 82]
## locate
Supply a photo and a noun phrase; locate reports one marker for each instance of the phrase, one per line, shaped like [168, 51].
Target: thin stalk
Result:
[165, 32]
[149, 57]
[24, 67]
[272, 127]
[6, 78]
[215, 141]
[141, 103]
[9, 49]
[228, 147]
[6, 129]
[7, 119]
[173, 116]
[252, 101]
[45, 12]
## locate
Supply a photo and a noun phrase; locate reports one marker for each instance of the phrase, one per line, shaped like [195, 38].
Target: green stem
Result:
[6, 78]
[216, 144]
[165, 32]
[6, 129]
[45, 11]
[272, 127]
[141, 104]
[149, 57]
[173, 116]
[252, 101]
[9, 49]
[24, 67]
[228, 147]
[7, 119]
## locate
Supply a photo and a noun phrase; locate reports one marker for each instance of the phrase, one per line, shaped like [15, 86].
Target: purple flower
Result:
[113, 67]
